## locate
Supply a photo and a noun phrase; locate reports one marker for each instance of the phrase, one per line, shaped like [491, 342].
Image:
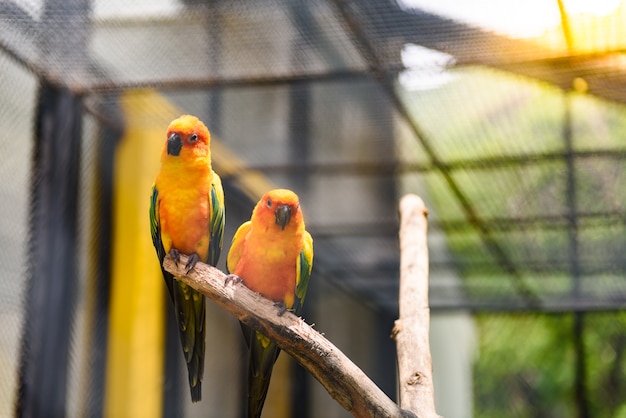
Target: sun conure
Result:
[187, 217]
[272, 254]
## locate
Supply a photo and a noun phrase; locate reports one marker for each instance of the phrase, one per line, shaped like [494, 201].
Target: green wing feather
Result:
[155, 229]
[303, 271]
[217, 220]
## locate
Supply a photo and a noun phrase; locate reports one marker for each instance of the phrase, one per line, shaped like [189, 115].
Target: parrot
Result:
[187, 217]
[271, 254]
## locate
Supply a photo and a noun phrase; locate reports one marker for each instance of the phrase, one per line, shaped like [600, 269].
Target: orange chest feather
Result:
[185, 219]
[269, 267]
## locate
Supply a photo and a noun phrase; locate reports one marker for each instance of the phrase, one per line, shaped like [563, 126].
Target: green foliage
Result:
[524, 368]
[526, 365]
[605, 342]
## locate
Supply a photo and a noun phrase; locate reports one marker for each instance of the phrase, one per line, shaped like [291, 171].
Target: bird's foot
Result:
[232, 278]
[281, 308]
[175, 256]
[191, 262]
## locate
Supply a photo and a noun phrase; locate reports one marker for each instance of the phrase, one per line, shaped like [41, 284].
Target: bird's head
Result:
[279, 208]
[188, 139]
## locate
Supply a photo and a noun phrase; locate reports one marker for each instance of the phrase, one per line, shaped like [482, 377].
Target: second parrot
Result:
[272, 254]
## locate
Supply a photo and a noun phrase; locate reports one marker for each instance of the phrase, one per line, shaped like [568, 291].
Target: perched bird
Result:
[187, 217]
[272, 254]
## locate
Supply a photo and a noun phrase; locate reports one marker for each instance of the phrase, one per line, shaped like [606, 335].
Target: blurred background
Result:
[506, 117]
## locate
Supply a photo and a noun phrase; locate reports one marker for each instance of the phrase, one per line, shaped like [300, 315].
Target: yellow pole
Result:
[134, 371]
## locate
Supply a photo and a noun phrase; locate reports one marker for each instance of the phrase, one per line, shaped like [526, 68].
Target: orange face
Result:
[280, 210]
[187, 138]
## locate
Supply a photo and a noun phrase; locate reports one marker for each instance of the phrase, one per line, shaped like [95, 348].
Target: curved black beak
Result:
[283, 214]
[174, 144]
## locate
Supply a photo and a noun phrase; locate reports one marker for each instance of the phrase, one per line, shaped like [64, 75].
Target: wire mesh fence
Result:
[517, 144]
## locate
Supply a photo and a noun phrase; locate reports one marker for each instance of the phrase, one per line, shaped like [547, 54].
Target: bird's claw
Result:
[191, 262]
[175, 256]
[281, 308]
[232, 278]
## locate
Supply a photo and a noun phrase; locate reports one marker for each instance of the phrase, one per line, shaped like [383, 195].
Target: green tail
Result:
[262, 356]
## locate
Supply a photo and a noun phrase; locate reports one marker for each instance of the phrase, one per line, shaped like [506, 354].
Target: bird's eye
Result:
[269, 203]
[193, 138]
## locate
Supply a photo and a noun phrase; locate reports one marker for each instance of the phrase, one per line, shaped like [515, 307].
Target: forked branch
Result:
[343, 380]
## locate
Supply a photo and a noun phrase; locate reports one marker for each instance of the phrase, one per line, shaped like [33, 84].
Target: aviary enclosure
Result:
[506, 117]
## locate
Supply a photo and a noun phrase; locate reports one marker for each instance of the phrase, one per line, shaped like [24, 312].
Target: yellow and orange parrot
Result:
[272, 254]
[187, 217]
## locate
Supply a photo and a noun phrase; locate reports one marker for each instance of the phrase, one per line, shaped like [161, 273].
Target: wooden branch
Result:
[343, 380]
[411, 330]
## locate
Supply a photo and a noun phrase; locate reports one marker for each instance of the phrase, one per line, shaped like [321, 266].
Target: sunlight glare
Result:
[597, 8]
[425, 68]
[529, 18]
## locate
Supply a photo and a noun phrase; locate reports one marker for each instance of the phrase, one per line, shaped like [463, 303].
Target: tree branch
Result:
[411, 330]
[343, 380]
